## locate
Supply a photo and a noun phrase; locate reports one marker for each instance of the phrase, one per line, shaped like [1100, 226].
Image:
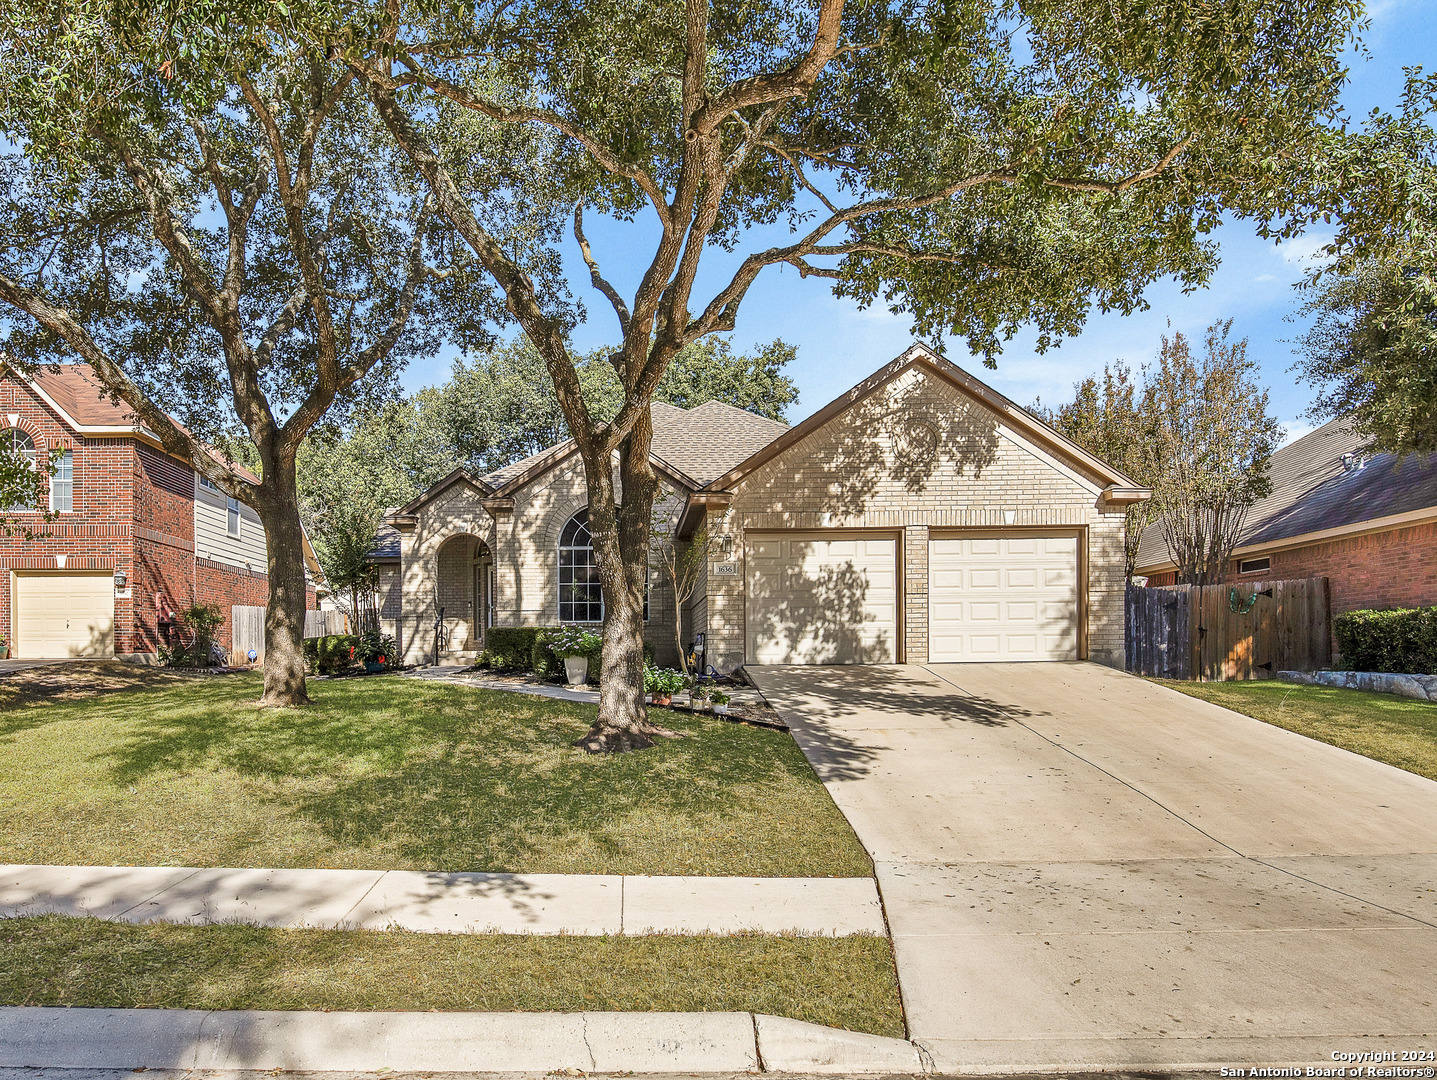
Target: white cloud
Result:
[1303, 249]
[1265, 277]
[1294, 430]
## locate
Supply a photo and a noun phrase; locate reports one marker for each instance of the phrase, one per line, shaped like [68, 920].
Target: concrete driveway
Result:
[1082, 869]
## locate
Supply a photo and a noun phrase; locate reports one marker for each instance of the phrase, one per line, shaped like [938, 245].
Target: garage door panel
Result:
[1003, 598]
[63, 615]
[821, 601]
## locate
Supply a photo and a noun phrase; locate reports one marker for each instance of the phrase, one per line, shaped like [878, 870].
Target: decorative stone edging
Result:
[1421, 687]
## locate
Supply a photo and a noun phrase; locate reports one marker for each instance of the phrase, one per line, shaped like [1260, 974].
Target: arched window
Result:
[581, 600]
[16, 441]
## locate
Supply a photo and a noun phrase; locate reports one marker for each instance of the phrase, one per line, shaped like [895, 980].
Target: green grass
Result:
[1400, 731]
[397, 773]
[57, 960]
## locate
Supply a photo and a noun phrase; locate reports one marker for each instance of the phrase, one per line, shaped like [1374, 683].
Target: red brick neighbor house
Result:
[139, 533]
[1367, 524]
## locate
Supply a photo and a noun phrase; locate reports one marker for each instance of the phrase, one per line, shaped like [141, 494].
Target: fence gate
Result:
[1215, 633]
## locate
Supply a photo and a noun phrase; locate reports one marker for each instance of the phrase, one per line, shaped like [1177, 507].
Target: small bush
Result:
[543, 660]
[511, 648]
[1403, 640]
[331, 654]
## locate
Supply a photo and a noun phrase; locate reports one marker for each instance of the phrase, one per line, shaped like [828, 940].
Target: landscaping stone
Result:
[1420, 687]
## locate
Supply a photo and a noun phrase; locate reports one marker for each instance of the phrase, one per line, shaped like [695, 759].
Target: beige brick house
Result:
[920, 517]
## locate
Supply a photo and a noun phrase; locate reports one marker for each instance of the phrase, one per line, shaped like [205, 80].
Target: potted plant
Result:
[662, 684]
[720, 701]
[576, 646]
[4, 647]
[699, 692]
[375, 651]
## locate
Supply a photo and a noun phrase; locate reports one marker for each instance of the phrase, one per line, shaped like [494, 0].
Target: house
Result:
[919, 517]
[1367, 524]
[139, 532]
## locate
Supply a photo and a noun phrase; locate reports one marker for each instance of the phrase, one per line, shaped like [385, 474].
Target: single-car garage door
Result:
[1003, 598]
[63, 615]
[821, 600]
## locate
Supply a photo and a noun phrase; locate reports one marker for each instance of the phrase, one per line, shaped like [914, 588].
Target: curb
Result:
[441, 1042]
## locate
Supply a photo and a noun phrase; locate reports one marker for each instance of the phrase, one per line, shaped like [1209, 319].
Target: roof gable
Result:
[1017, 419]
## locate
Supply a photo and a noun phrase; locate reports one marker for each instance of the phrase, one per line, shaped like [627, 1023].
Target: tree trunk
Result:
[621, 549]
[278, 510]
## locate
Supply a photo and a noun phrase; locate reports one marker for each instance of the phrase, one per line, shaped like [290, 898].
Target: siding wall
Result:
[211, 531]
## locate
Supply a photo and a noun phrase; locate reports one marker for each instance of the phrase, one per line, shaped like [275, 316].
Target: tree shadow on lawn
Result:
[444, 778]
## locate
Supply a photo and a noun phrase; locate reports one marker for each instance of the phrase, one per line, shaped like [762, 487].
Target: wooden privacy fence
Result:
[1215, 633]
[247, 629]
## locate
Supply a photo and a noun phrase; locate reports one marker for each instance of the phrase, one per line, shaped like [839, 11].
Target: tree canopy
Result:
[1370, 346]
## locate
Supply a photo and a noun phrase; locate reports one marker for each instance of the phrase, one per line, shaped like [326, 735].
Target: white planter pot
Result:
[576, 670]
[721, 708]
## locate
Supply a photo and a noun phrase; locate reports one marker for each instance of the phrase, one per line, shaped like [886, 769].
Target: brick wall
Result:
[876, 466]
[1396, 568]
[224, 586]
[97, 534]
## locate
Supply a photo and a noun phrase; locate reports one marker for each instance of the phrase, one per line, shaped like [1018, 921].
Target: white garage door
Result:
[1003, 598]
[63, 615]
[822, 601]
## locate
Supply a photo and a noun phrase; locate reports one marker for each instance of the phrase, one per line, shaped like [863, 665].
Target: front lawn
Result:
[55, 960]
[1400, 731]
[399, 773]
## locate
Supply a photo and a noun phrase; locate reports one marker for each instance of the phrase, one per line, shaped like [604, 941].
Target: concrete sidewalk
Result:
[443, 1042]
[590, 904]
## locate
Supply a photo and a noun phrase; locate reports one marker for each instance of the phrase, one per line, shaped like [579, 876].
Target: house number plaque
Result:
[725, 569]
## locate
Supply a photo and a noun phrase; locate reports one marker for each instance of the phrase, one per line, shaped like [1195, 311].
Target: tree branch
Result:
[621, 309]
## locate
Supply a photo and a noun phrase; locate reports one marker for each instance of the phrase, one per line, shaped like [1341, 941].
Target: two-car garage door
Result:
[63, 614]
[813, 599]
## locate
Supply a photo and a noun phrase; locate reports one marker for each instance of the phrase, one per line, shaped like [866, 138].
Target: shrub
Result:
[204, 620]
[543, 660]
[1403, 640]
[378, 648]
[511, 648]
[331, 654]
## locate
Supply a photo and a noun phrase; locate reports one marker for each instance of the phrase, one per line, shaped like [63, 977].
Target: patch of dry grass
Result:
[56, 960]
[399, 773]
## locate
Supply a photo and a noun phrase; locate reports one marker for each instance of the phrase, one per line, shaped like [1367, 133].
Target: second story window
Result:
[62, 484]
[23, 447]
[207, 483]
[232, 518]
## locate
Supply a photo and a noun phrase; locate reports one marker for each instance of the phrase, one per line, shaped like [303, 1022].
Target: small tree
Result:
[681, 564]
[1211, 439]
[1107, 419]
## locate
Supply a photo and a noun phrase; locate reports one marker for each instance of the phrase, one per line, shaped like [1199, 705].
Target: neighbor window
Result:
[207, 483]
[1254, 566]
[581, 599]
[62, 484]
[232, 518]
[24, 447]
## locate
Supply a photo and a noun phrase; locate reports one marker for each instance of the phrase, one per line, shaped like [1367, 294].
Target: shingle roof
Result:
[1312, 491]
[76, 390]
[386, 539]
[702, 443]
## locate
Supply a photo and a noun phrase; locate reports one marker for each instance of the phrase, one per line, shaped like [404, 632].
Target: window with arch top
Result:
[581, 598]
[22, 446]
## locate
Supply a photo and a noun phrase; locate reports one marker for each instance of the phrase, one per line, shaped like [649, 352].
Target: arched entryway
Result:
[464, 596]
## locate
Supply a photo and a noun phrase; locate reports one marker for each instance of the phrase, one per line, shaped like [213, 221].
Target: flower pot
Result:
[576, 670]
[4, 652]
[720, 708]
[374, 667]
[663, 699]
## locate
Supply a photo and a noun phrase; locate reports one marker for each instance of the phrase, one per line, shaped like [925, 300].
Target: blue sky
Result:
[838, 344]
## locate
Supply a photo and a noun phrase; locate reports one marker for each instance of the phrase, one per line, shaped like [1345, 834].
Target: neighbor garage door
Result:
[63, 615]
[816, 600]
[1003, 598]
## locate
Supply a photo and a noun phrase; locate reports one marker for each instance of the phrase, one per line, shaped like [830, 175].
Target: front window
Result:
[232, 518]
[62, 484]
[581, 599]
[23, 447]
